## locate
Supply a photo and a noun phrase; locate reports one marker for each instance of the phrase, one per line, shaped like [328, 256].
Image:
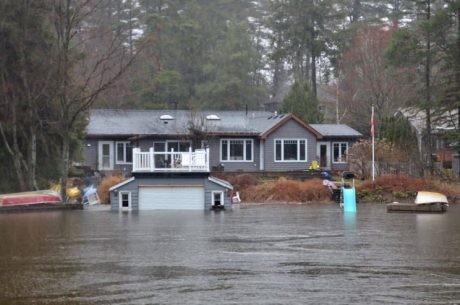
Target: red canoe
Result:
[26, 198]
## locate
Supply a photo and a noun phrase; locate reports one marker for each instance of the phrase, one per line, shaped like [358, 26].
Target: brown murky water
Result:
[311, 254]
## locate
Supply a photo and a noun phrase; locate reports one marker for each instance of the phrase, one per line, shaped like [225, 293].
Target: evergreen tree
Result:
[303, 103]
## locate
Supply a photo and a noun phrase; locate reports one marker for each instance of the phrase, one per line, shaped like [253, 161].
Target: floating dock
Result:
[416, 208]
[41, 207]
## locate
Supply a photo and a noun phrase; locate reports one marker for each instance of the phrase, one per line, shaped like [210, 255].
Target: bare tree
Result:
[83, 74]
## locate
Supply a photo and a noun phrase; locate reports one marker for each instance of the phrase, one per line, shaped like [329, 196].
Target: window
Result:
[178, 146]
[290, 150]
[340, 152]
[217, 199]
[125, 200]
[234, 150]
[124, 152]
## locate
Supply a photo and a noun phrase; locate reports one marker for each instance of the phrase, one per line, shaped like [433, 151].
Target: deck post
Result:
[135, 158]
[172, 158]
[207, 159]
[151, 159]
[190, 159]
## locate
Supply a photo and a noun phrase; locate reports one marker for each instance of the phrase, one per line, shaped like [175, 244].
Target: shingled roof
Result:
[336, 130]
[104, 122]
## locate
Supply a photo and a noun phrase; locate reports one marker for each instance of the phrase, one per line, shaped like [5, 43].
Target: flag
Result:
[372, 122]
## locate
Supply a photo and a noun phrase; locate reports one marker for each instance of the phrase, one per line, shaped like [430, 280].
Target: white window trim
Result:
[340, 153]
[282, 151]
[244, 150]
[120, 201]
[124, 149]
[222, 202]
[328, 152]
[100, 157]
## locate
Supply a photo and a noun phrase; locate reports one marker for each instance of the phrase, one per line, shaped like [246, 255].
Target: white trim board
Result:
[121, 184]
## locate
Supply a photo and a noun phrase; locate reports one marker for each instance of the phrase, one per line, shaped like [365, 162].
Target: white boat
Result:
[424, 197]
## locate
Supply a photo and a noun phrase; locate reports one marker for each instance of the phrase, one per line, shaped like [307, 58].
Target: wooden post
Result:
[190, 159]
[207, 159]
[152, 159]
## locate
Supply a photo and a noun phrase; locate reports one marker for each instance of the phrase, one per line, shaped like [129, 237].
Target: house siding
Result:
[290, 130]
[339, 166]
[133, 187]
[215, 153]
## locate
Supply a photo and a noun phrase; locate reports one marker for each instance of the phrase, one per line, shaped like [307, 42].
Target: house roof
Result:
[443, 120]
[110, 122]
[221, 182]
[336, 130]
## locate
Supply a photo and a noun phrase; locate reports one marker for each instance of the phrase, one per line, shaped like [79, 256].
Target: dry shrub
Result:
[243, 181]
[393, 183]
[106, 183]
[284, 190]
[447, 188]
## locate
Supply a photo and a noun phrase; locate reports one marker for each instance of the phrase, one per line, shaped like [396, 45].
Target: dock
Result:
[41, 207]
[416, 208]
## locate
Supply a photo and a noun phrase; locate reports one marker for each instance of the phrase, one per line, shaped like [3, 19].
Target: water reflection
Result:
[311, 254]
[349, 220]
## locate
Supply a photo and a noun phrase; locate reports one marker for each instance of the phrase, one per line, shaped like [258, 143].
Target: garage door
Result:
[171, 198]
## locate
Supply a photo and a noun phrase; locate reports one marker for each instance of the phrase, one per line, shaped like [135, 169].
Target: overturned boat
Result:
[29, 198]
[425, 202]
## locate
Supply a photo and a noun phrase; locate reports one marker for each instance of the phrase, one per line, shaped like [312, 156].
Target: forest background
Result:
[60, 58]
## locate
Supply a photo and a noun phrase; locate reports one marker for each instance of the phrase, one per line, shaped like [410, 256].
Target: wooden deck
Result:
[41, 207]
[416, 208]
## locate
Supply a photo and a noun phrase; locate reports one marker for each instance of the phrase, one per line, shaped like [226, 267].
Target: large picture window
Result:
[124, 152]
[236, 150]
[340, 150]
[290, 150]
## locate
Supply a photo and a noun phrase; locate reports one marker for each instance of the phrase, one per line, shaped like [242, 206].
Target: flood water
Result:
[310, 254]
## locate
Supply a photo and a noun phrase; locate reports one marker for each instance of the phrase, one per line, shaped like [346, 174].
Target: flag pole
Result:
[373, 143]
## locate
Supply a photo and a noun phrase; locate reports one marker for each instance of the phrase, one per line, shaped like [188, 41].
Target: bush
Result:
[106, 183]
[284, 190]
[402, 187]
[243, 181]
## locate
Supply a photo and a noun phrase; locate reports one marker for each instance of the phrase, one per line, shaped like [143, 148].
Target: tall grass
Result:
[106, 183]
[284, 190]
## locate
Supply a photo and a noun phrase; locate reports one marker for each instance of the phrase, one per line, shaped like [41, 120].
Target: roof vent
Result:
[166, 117]
[212, 117]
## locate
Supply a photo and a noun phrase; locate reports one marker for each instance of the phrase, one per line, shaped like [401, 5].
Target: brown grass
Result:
[403, 184]
[394, 183]
[106, 183]
[284, 190]
[242, 181]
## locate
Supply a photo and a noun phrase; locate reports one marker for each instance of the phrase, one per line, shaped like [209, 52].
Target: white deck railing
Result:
[191, 161]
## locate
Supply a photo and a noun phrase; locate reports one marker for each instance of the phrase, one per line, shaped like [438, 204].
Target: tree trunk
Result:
[32, 163]
[457, 78]
[313, 60]
[428, 92]
[65, 164]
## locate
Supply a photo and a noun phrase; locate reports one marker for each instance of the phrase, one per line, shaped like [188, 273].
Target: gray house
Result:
[170, 154]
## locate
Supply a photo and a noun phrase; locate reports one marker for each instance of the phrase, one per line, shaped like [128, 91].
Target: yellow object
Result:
[73, 192]
[314, 165]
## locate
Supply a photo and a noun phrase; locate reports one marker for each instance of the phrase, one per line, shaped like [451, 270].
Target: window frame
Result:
[340, 153]
[222, 198]
[120, 201]
[178, 145]
[125, 144]
[245, 141]
[282, 150]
